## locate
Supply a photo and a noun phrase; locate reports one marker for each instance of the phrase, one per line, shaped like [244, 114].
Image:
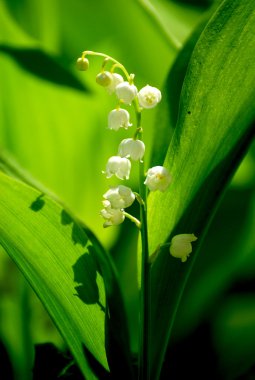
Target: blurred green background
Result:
[53, 120]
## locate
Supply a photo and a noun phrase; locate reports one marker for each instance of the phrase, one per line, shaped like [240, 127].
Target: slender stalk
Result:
[116, 63]
[145, 273]
[144, 367]
[133, 219]
[145, 294]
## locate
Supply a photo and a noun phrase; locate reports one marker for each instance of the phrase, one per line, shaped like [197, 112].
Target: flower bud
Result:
[82, 64]
[158, 178]
[119, 197]
[104, 78]
[116, 79]
[118, 118]
[126, 92]
[132, 148]
[181, 247]
[112, 216]
[119, 166]
[149, 97]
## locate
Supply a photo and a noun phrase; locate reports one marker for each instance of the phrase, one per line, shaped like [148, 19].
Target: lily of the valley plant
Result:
[118, 198]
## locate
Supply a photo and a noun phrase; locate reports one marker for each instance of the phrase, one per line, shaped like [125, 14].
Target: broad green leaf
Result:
[175, 20]
[213, 131]
[49, 248]
[167, 113]
[118, 342]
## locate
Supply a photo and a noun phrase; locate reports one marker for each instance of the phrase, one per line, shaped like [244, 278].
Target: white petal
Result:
[116, 79]
[112, 216]
[149, 97]
[126, 92]
[118, 118]
[118, 166]
[181, 247]
[132, 148]
[120, 196]
[158, 178]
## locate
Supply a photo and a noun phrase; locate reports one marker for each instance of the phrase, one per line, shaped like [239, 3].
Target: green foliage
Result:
[36, 236]
[214, 128]
[53, 121]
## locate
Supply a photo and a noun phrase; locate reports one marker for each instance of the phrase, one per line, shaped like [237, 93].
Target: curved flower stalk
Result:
[118, 198]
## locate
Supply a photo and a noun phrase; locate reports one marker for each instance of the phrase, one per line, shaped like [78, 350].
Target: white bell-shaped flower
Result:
[119, 197]
[132, 148]
[118, 118]
[158, 178]
[112, 216]
[126, 92]
[181, 247]
[119, 166]
[116, 79]
[149, 96]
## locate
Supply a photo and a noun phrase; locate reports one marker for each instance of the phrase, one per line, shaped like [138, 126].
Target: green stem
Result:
[133, 219]
[145, 274]
[117, 63]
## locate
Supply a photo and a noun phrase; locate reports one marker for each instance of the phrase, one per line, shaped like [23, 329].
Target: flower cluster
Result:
[116, 199]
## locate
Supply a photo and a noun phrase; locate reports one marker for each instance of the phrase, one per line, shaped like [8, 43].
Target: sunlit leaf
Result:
[167, 113]
[213, 131]
[48, 245]
[117, 335]
[175, 21]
